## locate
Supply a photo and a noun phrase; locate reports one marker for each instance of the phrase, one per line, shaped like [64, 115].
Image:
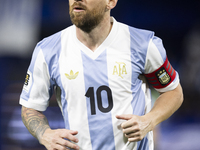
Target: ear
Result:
[111, 4]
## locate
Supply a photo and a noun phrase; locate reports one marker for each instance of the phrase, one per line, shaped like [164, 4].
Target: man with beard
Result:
[98, 68]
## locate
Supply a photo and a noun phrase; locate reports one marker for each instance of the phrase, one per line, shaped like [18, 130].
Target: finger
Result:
[73, 132]
[129, 124]
[67, 143]
[69, 134]
[131, 135]
[124, 116]
[58, 147]
[130, 130]
[135, 138]
[72, 145]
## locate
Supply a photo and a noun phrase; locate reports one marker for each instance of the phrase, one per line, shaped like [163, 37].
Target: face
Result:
[87, 14]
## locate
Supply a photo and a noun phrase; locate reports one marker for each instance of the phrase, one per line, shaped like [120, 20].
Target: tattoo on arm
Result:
[35, 121]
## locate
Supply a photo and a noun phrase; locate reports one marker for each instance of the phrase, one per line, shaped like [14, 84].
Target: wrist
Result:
[149, 120]
[43, 135]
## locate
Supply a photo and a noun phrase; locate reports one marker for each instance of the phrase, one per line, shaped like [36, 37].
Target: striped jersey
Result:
[93, 87]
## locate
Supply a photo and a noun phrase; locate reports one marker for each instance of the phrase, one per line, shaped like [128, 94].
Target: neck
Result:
[95, 37]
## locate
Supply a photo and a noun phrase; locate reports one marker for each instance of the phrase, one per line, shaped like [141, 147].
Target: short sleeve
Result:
[36, 90]
[158, 70]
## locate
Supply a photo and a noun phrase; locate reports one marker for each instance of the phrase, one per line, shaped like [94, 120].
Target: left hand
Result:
[135, 127]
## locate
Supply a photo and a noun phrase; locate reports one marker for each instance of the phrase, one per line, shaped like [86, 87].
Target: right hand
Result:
[59, 139]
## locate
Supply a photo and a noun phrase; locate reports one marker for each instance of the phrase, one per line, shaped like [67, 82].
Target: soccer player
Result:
[99, 69]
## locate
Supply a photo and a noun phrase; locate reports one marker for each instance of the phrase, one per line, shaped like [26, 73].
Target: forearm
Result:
[166, 104]
[35, 121]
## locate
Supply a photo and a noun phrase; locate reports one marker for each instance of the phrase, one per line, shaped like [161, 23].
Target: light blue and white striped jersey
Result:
[93, 87]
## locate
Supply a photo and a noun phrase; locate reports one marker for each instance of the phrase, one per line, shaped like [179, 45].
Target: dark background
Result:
[177, 22]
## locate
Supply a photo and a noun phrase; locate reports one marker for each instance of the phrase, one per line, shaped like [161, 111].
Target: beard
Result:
[88, 19]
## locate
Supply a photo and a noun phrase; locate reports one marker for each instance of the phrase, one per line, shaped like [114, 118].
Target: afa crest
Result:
[163, 76]
[119, 69]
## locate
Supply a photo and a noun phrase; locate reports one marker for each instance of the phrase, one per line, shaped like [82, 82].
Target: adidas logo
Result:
[71, 75]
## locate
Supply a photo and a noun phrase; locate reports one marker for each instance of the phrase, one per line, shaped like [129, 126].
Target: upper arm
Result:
[178, 90]
[158, 70]
[35, 93]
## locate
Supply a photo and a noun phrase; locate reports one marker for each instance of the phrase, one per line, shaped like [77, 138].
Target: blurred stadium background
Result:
[25, 22]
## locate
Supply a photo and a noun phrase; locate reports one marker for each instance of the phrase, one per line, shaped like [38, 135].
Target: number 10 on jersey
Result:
[91, 95]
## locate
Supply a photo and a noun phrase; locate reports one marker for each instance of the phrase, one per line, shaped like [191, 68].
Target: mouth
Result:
[78, 8]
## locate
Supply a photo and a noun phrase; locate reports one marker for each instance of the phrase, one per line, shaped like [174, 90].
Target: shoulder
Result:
[48, 50]
[50, 40]
[137, 33]
[140, 40]
[140, 35]
[51, 45]
[53, 40]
